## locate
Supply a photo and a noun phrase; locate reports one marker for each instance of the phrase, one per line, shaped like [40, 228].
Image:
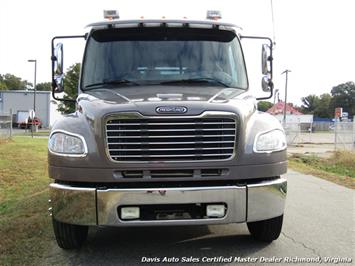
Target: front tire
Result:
[266, 230]
[69, 236]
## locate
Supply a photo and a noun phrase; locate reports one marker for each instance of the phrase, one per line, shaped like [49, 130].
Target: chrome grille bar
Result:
[182, 155]
[165, 124]
[174, 149]
[172, 136]
[174, 130]
[174, 143]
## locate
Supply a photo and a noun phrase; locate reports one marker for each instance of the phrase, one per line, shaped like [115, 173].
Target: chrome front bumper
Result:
[91, 206]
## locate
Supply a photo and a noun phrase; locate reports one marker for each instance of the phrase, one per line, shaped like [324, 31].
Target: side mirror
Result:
[265, 58]
[266, 65]
[58, 67]
[58, 75]
[266, 84]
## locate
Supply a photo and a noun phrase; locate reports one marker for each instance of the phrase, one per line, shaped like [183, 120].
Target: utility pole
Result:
[34, 94]
[285, 103]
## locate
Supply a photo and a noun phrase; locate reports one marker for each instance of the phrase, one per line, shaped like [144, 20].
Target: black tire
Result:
[69, 236]
[266, 230]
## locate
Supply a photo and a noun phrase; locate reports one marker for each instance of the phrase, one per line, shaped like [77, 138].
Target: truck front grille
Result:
[170, 138]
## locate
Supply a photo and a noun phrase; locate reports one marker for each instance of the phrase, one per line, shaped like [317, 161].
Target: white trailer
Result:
[22, 117]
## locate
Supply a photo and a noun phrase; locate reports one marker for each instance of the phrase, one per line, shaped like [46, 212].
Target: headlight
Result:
[67, 144]
[274, 140]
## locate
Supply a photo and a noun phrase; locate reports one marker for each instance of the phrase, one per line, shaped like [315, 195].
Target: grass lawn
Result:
[25, 227]
[40, 133]
[340, 168]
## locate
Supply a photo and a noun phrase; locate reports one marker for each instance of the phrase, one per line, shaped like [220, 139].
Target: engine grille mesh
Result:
[171, 139]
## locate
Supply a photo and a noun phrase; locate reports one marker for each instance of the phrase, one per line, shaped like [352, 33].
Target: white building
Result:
[22, 100]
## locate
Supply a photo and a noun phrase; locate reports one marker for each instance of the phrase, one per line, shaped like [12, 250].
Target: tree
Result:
[323, 109]
[44, 86]
[264, 106]
[319, 106]
[310, 103]
[2, 84]
[344, 96]
[71, 81]
[11, 82]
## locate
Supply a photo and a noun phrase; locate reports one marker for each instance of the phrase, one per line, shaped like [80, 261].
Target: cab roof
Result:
[135, 23]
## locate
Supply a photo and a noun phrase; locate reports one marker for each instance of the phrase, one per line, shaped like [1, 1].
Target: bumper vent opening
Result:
[172, 173]
[132, 174]
[211, 172]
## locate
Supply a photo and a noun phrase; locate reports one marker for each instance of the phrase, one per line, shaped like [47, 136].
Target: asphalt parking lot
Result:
[319, 222]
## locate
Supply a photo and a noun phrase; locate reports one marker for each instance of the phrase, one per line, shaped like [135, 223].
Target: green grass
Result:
[41, 133]
[24, 222]
[340, 168]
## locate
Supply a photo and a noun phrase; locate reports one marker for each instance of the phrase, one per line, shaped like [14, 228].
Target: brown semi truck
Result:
[165, 132]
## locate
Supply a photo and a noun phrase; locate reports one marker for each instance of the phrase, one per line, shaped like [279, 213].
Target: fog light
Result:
[129, 213]
[216, 211]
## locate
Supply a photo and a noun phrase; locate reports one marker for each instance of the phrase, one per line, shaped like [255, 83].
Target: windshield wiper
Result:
[195, 80]
[111, 82]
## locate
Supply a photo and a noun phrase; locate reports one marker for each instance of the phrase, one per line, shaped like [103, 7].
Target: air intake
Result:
[170, 138]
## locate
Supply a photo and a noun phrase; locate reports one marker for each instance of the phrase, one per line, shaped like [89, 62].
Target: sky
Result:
[315, 39]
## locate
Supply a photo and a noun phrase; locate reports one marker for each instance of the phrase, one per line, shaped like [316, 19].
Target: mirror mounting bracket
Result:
[54, 58]
[270, 58]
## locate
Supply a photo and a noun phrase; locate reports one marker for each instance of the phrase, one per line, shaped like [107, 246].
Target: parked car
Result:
[28, 125]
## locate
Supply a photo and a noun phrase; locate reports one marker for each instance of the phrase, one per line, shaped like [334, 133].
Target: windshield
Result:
[143, 56]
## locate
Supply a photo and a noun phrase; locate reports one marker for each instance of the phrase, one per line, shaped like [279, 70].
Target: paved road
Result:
[319, 221]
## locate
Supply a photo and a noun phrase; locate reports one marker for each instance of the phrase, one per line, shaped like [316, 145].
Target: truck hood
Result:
[95, 107]
[145, 99]
[159, 93]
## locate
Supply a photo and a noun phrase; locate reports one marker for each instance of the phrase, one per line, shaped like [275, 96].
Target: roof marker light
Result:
[214, 14]
[111, 14]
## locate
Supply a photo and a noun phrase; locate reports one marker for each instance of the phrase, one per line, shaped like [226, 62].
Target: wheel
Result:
[266, 230]
[69, 236]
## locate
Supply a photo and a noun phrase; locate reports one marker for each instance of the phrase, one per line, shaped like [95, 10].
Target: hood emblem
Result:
[171, 110]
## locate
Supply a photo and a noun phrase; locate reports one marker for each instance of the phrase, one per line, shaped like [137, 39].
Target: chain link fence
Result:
[293, 132]
[339, 134]
[344, 135]
[5, 126]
